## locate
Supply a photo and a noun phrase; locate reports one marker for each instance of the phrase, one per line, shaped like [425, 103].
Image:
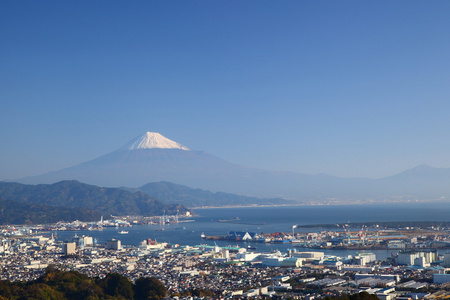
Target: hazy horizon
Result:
[350, 89]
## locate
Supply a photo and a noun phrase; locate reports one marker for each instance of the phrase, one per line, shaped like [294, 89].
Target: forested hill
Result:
[13, 212]
[71, 193]
[180, 194]
[61, 285]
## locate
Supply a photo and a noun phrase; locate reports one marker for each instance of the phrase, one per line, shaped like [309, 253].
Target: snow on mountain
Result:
[152, 140]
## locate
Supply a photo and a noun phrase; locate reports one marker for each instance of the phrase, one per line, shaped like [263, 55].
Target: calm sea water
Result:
[271, 219]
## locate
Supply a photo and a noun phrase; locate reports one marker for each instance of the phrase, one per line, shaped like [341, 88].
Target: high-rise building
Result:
[113, 244]
[69, 248]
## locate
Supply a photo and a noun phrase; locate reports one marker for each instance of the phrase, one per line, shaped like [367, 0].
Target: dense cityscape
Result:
[414, 271]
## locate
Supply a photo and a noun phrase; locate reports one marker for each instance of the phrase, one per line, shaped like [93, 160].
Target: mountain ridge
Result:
[197, 169]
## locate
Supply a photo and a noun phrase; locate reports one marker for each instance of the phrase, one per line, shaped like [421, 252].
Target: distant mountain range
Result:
[180, 194]
[73, 194]
[154, 158]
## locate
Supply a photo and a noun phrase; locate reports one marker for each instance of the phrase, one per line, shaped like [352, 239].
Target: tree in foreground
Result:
[118, 286]
[149, 288]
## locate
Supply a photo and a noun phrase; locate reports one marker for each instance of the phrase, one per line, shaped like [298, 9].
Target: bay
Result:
[271, 219]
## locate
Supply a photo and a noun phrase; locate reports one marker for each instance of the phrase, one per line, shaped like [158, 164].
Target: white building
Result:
[274, 261]
[309, 255]
[363, 259]
[247, 256]
[421, 262]
[226, 253]
[83, 241]
[408, 257]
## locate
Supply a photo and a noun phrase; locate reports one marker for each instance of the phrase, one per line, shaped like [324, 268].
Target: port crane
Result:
[348, 234]
[359, 237]
[363, 234]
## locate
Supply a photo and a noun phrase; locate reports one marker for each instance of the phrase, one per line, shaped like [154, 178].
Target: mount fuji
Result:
[152, 157]
[152, 140]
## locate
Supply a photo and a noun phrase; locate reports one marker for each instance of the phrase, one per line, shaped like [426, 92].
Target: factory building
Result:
[408, 258]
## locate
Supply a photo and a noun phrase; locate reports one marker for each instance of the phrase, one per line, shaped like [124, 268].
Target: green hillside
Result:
[73, 194]
[180, 194]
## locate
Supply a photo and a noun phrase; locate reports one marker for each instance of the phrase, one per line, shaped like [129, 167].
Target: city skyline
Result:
[344, 88]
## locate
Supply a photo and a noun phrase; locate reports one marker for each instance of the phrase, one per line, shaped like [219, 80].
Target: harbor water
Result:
[220, 221]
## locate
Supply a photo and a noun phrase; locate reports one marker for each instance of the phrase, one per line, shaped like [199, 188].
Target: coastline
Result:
[343, 203]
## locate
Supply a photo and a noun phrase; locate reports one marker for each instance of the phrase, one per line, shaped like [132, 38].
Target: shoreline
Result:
[323, 204]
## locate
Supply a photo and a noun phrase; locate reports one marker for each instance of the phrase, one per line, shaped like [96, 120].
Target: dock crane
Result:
[348, 234]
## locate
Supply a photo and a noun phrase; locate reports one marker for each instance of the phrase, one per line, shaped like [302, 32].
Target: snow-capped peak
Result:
[152, 140]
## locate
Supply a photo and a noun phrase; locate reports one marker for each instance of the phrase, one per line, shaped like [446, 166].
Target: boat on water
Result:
[123, 232]
[230, 220]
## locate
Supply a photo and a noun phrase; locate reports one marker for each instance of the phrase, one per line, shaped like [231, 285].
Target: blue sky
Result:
[347, 88]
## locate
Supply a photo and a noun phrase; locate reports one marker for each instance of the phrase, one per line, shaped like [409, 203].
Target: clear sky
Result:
[347, 88]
